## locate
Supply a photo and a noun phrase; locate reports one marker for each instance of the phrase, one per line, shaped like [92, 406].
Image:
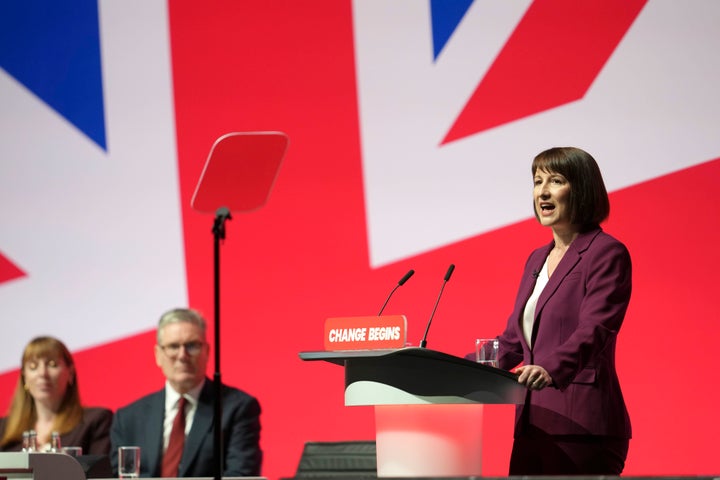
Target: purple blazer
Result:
[577, 320]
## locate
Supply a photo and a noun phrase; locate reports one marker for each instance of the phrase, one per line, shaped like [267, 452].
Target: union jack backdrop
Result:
[412, 125]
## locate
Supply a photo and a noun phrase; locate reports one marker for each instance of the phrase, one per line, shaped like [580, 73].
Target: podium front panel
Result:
[429, 440]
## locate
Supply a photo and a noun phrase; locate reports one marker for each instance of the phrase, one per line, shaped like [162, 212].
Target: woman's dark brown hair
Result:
[589, 202]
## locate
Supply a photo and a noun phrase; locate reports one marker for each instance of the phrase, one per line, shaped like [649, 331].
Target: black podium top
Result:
[416, 375]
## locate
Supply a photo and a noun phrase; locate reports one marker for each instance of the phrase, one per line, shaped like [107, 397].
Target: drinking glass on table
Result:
[128, 462]
[72, 451]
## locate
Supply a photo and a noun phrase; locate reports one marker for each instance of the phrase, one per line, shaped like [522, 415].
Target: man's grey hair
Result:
[177, 315]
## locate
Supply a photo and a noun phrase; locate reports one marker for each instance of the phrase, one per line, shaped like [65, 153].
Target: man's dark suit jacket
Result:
[92, 433]
[577, 320]
[141, 424]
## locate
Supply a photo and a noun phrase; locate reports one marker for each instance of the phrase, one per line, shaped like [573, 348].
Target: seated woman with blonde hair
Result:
[47, 400]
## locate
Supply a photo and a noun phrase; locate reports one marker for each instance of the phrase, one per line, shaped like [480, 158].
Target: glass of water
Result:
[486, 351]
[128, 462]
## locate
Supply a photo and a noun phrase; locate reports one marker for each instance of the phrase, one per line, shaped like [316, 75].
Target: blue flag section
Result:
[53, 49]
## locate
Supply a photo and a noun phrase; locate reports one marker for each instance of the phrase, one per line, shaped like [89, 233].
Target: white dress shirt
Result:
[172, 398]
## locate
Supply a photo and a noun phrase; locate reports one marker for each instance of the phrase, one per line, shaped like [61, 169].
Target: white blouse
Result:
[531, 305]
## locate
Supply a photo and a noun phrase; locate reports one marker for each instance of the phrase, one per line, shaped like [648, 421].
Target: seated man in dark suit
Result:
[182, 353]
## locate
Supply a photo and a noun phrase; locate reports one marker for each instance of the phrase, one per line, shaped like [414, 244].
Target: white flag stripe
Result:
[99, 233]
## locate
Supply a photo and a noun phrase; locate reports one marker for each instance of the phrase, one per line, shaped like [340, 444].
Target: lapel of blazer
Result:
[566, 265]
[154, 433]
[527, 286]
[201, 427]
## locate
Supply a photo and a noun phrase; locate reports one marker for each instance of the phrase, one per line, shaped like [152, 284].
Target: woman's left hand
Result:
[534, 377]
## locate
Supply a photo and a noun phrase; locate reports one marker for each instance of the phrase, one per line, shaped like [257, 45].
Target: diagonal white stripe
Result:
[99, 234]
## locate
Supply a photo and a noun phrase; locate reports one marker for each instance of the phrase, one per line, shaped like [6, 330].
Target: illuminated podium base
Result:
[428, 440]
[428, 407]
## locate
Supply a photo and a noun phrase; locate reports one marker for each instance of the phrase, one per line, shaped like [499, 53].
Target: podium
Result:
[428, 406]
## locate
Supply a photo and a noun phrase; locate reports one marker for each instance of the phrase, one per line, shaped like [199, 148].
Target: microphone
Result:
[400, 283]
[450, 270]
[536, 273]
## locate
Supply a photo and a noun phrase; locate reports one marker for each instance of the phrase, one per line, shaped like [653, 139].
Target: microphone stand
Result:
[423, 342]
[448, 274]
[221, 215]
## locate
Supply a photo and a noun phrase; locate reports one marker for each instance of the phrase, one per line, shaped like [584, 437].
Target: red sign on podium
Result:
[365, 333]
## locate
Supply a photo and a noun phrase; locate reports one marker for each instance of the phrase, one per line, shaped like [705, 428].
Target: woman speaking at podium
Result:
[570, 305]
[47, 400]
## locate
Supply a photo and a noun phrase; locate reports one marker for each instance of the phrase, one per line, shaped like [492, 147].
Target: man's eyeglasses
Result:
[191, 348]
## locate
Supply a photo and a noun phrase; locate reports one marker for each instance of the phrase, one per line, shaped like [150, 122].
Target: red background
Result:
[289, 66]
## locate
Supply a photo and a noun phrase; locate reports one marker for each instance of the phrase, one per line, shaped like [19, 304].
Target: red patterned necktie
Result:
[173, 454]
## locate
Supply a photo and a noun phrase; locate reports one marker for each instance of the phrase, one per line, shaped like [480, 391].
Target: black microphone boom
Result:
[400, 283]
[451, 269]
[405, 278]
